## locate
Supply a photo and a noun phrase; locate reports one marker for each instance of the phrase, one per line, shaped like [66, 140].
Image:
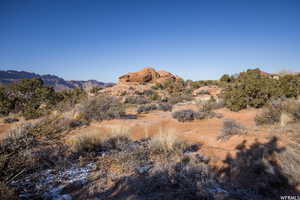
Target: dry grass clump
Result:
[98, 142]
[230, 128]
[101, 108]
[167, 142]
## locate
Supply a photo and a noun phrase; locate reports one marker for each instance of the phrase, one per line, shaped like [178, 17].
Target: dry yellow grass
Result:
[167, 141]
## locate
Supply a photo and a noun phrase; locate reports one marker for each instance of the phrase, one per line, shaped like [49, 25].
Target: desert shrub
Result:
[51, 126]
[190, 115]
[197, 84]
[15, 151]
[146, 108]
[252, 88]
[10, 120]
[101, 108]
[185, 115]
[7, 193]
[28, 96]
[177, 98]
[289, 85]
[230, 128]
[275, 111]
[270, 114]
[19, 138]
[165, 107]
[289, 162]
[226, 78]
[6, 105]
[95, 90]
[69, 98]
[210, 105]
[155, 96]
[136, 100]
[148, 93]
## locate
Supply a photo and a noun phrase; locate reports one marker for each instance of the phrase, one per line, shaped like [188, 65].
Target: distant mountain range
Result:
[10, 76]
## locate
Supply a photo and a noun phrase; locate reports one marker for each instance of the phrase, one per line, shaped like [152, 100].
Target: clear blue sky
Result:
[102, 39]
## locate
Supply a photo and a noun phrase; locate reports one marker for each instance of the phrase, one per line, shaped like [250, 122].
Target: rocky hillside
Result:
[58, 83]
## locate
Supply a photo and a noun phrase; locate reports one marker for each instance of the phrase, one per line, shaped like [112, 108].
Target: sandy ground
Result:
[204, 132]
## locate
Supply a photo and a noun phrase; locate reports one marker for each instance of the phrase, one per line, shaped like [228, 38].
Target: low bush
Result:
[270, 114]
[15, 151]
[279, 111]
[210, 105]
[101, 108]
[230, 128]
[146, 108]
[174, 99]
[190, 115]
[50, 127]
[19, 138]
[136, 100]
[150, 107]
[185, 115]
[165, 107]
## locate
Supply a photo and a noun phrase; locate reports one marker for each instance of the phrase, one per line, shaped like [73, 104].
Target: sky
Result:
[104, 39]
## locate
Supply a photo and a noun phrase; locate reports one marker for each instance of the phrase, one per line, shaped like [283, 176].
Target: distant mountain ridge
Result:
[10, 76]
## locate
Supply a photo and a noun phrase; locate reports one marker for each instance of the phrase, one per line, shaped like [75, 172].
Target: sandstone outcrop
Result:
[147, 75]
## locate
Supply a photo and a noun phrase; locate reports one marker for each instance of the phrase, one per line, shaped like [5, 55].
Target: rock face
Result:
[146, 75]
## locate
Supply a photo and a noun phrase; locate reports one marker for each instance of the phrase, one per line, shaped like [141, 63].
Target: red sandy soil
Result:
[203, 132]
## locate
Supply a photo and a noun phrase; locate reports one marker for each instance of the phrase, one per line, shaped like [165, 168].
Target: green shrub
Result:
[28, 96]
[251, 88]
[255, 88]
[6, 105]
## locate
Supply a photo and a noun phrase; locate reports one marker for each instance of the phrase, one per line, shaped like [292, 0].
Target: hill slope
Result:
[58, 83]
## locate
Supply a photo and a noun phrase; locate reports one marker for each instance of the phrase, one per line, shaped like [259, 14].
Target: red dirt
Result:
[203, 132]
